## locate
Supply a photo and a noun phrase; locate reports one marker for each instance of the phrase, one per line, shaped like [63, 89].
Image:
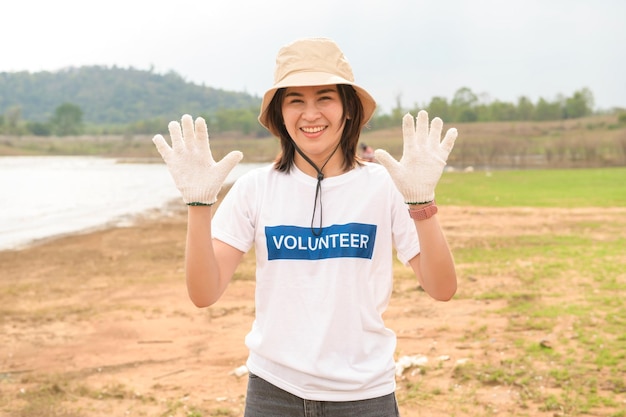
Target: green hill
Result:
[112, 95]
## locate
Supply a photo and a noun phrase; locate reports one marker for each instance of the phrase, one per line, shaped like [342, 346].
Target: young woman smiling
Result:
[318, 345]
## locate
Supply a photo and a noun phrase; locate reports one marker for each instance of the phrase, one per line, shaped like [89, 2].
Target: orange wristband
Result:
[425, 211]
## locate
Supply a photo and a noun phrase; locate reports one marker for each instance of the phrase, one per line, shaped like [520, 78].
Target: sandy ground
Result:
[100, 324]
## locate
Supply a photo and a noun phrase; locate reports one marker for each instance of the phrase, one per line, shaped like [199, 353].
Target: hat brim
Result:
[310, 78]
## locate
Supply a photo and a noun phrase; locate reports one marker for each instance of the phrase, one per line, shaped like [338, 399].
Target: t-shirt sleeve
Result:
[233, 222]
[405, 237]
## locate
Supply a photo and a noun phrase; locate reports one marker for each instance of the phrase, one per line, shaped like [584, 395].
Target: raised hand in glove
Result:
[196, 175]
[423, 158]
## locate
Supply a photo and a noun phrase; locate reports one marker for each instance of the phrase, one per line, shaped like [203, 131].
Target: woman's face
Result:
[313, 119]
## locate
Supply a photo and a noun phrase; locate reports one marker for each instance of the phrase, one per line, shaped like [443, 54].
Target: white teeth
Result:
[312, 129]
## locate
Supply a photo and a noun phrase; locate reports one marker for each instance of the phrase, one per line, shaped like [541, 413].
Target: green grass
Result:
[601, 187]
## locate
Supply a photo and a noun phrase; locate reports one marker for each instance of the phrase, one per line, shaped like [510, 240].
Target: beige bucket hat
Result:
[313, 61]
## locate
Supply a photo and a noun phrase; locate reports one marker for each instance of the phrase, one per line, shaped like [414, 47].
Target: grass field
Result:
[569, 188]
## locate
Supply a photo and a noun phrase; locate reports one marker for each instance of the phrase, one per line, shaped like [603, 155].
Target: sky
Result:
[406, 50]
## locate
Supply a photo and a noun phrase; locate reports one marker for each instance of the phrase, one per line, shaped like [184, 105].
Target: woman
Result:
[318, 345]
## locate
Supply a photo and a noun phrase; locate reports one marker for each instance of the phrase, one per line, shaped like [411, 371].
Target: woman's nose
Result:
[310, 112]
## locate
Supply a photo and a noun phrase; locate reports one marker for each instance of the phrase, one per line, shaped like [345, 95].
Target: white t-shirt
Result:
[318, 332]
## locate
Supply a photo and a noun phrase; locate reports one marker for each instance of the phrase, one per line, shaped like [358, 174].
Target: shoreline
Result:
[76, 196]
[167, 210]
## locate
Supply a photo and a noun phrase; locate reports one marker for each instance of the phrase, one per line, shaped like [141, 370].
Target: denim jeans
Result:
[266, 400]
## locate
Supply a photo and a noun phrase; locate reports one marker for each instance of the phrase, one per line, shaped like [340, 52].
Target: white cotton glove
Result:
[196, 175]
[424, 156]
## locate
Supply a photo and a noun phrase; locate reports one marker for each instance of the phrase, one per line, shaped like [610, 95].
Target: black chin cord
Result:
[318, 188]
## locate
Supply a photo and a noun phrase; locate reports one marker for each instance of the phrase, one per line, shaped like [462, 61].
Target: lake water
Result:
[44, 197]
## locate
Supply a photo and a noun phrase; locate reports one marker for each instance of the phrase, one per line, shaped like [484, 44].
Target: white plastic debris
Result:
[240, 371]
[405, 362]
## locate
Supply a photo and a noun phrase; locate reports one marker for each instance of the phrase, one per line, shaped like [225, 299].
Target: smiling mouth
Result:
[315, 129]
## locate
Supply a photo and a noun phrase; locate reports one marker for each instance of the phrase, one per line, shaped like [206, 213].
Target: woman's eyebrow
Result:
[326, 90]
[319, 92]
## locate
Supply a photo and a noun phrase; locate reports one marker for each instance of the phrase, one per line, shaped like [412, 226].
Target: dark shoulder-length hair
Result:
[352, 117]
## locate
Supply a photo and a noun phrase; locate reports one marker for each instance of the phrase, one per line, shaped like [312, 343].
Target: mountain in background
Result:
[112, 95]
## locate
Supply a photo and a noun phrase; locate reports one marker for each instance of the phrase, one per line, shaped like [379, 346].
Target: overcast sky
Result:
[412, 49]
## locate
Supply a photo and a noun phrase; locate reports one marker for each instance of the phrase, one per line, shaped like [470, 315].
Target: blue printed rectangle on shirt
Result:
[352, 240]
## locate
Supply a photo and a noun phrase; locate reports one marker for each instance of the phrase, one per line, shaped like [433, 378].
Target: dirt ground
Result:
[100, 324]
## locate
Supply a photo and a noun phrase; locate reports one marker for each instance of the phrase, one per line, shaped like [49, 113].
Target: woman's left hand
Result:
[423, 159]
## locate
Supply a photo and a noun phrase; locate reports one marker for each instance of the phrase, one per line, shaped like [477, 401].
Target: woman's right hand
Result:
[190, 162]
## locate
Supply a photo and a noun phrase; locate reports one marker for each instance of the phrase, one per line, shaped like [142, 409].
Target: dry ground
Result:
[100, 324]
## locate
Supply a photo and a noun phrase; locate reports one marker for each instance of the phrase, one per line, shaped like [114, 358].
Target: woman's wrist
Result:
[422, 211]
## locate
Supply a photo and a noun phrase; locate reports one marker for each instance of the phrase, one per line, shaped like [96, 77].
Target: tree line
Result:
[101, 100]
[465, 107]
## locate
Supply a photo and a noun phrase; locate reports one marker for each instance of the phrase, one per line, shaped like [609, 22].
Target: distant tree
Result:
[482, 108]
[502, 111]
[439, 107]
[12, 118]
[381, 121]
[240, 120]
[525, 108]
[464, 105]
[579, 105]
[67, 120]
[482, 113]
[39, 128]
[147, 126]
[398, 111]
[545, 110]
